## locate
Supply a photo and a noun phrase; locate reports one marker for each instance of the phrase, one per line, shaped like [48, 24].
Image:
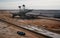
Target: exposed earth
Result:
[9, 31]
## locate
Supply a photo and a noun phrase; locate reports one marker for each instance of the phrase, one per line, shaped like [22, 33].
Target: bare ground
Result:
[10, 31]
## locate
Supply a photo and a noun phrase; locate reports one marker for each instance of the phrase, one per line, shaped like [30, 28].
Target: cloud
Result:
[31, 4]
[43, 4]
[9, 0]
[9, 5]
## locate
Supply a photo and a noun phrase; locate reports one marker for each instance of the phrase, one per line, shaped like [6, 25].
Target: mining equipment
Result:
[22, 12]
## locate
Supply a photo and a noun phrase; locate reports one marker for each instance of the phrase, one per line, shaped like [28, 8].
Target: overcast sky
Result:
[31, 4]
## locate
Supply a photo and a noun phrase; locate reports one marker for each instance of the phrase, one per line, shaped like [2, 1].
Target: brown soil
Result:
[46, 23]
[9, 31]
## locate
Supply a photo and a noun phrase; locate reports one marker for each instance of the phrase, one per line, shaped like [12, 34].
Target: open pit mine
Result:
[29, 24]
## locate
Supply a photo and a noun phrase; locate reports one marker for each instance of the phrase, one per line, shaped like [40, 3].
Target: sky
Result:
[30, 4]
